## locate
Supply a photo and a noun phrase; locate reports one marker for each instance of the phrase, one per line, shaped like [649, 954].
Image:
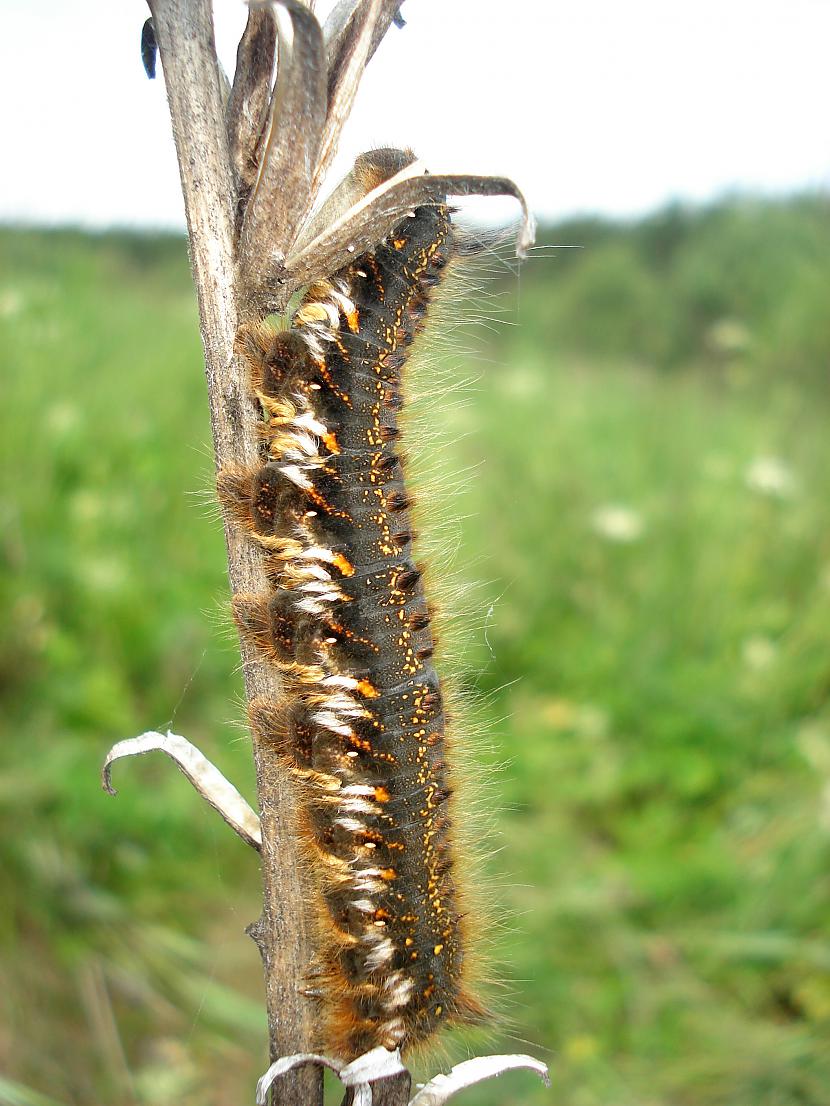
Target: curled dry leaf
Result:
[205, 777]
[380, 1063]
[248, 105]
[369, 220]
[440, 1089]
[343, 80]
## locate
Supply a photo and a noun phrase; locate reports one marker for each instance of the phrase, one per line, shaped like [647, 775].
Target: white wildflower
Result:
[728, 337]
[11, 303]
[813, 742]
[759, 653]
[62, 418]
[770, 476]
[618, 523]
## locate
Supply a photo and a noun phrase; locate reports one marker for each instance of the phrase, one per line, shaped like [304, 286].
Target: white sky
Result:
[590, 105]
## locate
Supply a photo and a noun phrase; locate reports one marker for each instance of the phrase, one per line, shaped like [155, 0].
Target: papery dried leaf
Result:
[282, 193]
[440, 1089]
[248, 104]
[205, 777]
[367, 223]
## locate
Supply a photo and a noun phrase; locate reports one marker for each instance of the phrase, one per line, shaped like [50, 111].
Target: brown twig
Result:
[185, 36]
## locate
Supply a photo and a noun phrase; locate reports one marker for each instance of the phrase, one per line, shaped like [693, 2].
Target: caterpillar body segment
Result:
[346, 620]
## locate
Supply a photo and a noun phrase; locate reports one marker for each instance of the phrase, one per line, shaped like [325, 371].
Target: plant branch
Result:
[185, 36]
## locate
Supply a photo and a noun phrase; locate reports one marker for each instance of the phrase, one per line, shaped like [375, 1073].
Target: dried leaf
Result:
[370, 220]
[282, 193]
[340, 27]
[248, 104]
[343, 80]
[287, 1063]
[205, 777]
[378, 1063]
[440, 1089]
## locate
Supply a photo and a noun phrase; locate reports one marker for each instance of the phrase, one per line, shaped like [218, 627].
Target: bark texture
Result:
[184, 30]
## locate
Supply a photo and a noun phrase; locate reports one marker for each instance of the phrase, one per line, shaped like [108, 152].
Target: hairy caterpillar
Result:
[362, 725]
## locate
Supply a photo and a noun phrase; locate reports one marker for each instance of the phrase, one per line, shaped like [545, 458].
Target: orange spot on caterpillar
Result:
[367, 689]
[343, 564]
[324, 372]
[382, 795]
[331, 443]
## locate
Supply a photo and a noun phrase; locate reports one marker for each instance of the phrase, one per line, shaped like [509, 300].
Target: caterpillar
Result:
[362, 726]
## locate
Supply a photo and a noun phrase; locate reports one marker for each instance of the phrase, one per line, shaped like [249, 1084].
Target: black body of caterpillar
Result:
[346, 620]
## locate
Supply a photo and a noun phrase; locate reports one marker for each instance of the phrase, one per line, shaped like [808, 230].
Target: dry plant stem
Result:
[185, 35]
[392, 1091]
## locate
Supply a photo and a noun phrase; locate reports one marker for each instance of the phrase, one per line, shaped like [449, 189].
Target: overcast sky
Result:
[590, 105]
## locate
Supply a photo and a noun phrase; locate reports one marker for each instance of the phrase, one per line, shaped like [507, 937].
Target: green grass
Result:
[649, 509]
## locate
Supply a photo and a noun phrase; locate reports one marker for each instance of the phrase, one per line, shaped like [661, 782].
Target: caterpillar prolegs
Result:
[362, 725]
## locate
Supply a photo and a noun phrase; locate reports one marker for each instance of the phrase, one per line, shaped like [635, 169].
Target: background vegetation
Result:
[647, 495]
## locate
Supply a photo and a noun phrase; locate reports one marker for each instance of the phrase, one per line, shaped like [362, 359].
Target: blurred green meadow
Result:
[642, 460]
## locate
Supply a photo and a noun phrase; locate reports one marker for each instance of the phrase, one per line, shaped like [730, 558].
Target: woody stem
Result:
[184, 31]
